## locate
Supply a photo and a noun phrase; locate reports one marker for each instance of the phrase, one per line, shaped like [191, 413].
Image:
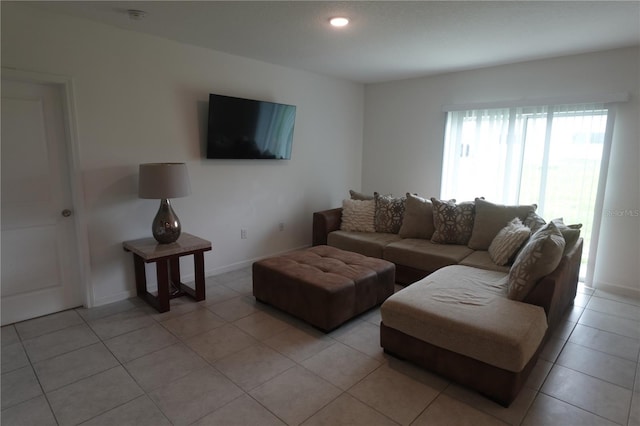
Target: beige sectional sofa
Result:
[465, 316]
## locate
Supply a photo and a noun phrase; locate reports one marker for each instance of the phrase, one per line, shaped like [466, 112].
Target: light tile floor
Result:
[230, 360]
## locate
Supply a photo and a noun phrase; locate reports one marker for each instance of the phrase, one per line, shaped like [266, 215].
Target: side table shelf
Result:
[167, 260]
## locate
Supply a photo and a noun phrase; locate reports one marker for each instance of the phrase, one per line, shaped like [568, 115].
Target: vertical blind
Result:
[547, 155]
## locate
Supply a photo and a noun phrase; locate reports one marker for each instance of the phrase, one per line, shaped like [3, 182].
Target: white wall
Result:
[404, 133]
[144, 99]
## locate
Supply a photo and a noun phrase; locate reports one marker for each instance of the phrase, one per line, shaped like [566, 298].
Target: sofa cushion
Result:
[359, 195]
[481, 259]
[490, 218]
[423, 254]
[418, 218]
[452, 222]
[506, 244]
[539, 257]
[463, 309]
[366, 243]
[389, 213]
[357, 215]
[570, 233]
[534, 222]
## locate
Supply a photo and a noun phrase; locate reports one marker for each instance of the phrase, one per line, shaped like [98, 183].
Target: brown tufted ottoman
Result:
[323, 285]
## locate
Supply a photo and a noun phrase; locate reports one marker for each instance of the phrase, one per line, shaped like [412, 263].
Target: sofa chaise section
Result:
[463, 311]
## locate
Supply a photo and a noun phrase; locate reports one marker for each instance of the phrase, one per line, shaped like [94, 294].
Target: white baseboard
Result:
[114, 298]
[187, 278]
[246, 263]
[617, 289]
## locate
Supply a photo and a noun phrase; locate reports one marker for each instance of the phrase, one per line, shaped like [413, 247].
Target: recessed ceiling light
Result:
[339, 21]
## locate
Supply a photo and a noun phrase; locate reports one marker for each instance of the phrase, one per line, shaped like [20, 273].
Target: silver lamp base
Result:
[166, 225]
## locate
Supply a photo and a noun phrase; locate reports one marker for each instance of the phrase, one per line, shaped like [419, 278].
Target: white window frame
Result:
[609, 101]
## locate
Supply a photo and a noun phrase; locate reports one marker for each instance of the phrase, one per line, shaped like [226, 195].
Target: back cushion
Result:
[452, 222]
[534, 222]
[491, 218]
[570, 233]
[355, 195]
[389, 213]
[418, 218]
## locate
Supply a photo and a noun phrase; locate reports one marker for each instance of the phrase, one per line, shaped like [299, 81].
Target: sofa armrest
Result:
[556, 291]
[324, 222]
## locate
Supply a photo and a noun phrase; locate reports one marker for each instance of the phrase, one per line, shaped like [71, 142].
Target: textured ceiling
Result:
[385, 40]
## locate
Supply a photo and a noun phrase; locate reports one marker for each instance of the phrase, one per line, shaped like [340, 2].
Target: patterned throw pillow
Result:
[539, 257]
[453, 222]
[389, 213]
[357, 215]
[506, 244]
[534, 222]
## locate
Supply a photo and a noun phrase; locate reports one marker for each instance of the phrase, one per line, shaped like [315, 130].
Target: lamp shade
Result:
[163, 180]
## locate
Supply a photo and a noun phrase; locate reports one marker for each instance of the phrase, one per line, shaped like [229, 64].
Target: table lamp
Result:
[162, 181]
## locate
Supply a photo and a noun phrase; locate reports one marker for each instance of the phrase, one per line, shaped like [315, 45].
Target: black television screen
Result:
[249, 129]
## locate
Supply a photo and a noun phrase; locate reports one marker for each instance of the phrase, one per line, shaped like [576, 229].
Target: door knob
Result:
[66, 212]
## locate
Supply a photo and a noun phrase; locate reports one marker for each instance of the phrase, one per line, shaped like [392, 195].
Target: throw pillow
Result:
[539, 257]
[357, 215]
[506, 244]
[389, 213]
[534, 222]
[452, 222]
[570, 233]
[418, 218]
[491, 218]
[359, 195]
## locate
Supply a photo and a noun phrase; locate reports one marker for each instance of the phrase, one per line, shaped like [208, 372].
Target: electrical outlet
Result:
[243, 234]
[281, 226]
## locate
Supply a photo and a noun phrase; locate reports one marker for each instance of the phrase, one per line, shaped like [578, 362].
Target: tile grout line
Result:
[181, 341]
[33, 370]
[579, 408]
[603, 352]
[210, 364]
[121, 364]
[145, 393]
[102, 342]
[594, 377]
[363, 402]
[540, 391]
[633, 393]
[610, 316]
[593, 349]
[554, 362]
[299, 364]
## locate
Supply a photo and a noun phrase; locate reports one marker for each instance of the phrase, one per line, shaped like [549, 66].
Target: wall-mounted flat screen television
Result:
[249, 129]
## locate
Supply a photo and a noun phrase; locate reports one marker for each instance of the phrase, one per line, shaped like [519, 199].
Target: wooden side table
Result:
[167, 260]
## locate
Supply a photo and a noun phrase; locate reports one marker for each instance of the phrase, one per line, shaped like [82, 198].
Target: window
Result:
[550, 156]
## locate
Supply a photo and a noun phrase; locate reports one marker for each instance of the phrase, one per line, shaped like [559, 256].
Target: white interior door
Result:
[40, 266]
